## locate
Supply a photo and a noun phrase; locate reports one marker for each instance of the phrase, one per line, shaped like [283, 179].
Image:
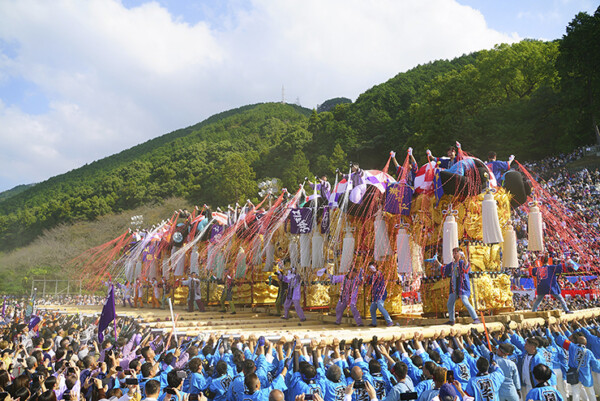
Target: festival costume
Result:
[544, 392]
[460, 287]
[498, 168]
[227, 294]
[559, 363]
[512, 383]
[155, 295]
[126, 290]
[166, 289]
[139, 293]
[359, 186]
[281, 293]
[194, 294]
[348, 296]
[293, 295]
[324, 188]
[526, 363]
[582, 359]
[547, 284]
[378, 296]
[486, 387]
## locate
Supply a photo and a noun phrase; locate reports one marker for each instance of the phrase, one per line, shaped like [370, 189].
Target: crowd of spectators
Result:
[578, 191]
[70, 300]
[61, 359]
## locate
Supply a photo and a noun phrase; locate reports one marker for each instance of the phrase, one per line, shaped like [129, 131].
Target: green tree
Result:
[338, 159]
[296, 169]
[235, 180]
[578, 65]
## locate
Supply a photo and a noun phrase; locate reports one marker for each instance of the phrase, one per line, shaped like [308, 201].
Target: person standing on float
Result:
[547, 283]
[460, 286]
[348, 294]
[293, 294]
[378, 284]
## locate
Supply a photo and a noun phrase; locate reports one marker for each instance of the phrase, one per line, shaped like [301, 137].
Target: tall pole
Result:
[172, 318]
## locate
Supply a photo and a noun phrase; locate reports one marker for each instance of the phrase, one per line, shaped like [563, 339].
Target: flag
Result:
[215, 232]
[108, 313]
[33, 322]
[149, 250]
[462, 166]
[30, 305]
[313, 197]
[398, 199]
[573, 264]
[220, 218]
[424, 177]
[338, 191]
[378, 179]
[301, 220]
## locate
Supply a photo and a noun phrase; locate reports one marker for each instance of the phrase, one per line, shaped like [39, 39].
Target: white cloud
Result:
[116, 77]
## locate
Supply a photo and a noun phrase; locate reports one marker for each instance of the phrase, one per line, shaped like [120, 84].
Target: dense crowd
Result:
[578, 191]
[48, 299]
[524, 302]
[61, 359]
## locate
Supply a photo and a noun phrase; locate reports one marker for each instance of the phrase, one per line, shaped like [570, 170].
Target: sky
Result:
[84, 79]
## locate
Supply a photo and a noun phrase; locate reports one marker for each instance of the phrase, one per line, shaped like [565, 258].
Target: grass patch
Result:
[49, 255]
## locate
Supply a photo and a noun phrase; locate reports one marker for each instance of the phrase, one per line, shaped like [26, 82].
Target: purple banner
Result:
[216, 231]
[398, 199]
[108, 313]
[301, 220]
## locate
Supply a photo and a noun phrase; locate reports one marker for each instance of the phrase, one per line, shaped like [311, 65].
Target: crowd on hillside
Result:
[60, 358]
[579, 192]
[49, 299]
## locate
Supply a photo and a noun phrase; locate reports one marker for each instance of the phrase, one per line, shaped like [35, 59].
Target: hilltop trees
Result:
[578, 64]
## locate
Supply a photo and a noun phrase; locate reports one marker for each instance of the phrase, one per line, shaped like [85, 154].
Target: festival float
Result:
[401, 221]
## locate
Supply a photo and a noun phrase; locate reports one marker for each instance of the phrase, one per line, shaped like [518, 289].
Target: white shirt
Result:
[525, 372]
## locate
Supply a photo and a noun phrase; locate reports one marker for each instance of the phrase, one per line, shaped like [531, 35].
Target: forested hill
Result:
[530, 99]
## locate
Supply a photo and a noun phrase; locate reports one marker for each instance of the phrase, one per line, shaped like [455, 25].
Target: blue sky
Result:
[536, 19]
[82, 80]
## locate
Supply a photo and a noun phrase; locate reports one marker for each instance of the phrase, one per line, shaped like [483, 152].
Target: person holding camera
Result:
[460, 286]
[173, 391]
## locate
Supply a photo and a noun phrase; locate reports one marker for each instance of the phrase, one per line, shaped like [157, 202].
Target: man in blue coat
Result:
[498, 168]
[543, 390]
[583, 360]
[547, 283]
[530, 359]
[460, 286]
[378, 283]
